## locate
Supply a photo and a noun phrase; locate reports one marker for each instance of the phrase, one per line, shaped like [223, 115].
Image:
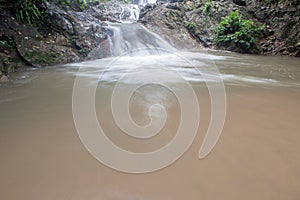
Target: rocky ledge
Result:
[68, 35]
[179, 20]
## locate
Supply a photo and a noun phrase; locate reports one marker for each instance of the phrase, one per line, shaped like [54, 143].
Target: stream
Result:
[42, 155]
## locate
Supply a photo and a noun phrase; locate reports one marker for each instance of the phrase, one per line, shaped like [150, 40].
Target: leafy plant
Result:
[62, 2]
[233, 30]
[7, 43]
[207, 6]
[83, 51]
[83, 4]
[26, 11]
[189, 25]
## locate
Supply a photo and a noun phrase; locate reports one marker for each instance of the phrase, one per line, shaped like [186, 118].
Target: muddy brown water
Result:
[256, 157]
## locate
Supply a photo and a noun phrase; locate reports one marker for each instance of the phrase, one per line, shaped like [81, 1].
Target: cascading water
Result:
[127, 36]
[38, 162]
[130, 39]
[143, 2]
[130, 13]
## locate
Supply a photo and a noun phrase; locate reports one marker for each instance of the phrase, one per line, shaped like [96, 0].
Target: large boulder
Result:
[188, 24]
[240, 2]
[167, 20]
[67, 36]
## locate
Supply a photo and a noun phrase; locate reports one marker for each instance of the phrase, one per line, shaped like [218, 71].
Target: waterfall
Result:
[129, 13]
[143, 2]
[127, 38]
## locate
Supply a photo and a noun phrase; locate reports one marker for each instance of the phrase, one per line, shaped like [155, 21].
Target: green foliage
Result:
[80, 4]
[83, 51]
[189, 25]
[235, 30]
[83, 4]
[207, 6]
[27, 11]
[62, 2]
[7, 43]
[74, 38]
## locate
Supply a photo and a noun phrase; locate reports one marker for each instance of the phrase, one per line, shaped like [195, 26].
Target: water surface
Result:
[257, 156]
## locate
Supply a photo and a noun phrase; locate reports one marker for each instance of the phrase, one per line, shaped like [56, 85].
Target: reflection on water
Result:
[257, 156]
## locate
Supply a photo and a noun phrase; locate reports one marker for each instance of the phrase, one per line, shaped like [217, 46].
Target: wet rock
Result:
[173, 1]
[297, 54]
[285, 53]
[60, 18]
[283, 26]
[169, 22]
[265, 44]
[292, 49]
[115, 12]
[189, 6]
[282, 49]
[187, 23]
[4, 79]
[174, 6]
[240, 2]
[71, 35]
[268, 31]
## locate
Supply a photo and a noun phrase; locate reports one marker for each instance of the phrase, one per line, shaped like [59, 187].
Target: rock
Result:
[281, 21]
[173, 1]
[75, 35]
[269, 31]
[173, 6]
[292, 49]
[60, 19]
[115, 12]
[185, 23]
[169, 23]
[266, 44]
[189, 5]
[297, 54]
[4, 79]
[285, 53]
[240, 2]
[282, 49]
